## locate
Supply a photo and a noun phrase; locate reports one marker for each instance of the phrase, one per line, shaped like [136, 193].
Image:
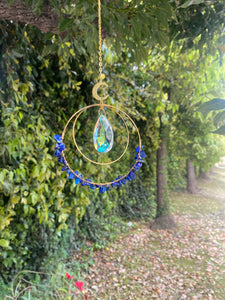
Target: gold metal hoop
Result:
[75, 142]
[139, 144]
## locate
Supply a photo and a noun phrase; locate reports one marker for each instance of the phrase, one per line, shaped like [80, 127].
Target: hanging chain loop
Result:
[100, 39]
[100, 83]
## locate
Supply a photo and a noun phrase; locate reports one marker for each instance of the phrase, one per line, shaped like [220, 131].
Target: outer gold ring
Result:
[139, 144]
[75, 142]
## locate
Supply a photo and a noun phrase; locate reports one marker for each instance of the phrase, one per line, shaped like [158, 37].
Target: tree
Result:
[163, 218]
[194, 130]
[171, 91]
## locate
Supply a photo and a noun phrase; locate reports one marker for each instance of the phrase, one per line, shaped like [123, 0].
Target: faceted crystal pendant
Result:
[103, 135]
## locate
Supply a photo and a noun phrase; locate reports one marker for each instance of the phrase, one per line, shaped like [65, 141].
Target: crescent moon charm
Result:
[95, 91]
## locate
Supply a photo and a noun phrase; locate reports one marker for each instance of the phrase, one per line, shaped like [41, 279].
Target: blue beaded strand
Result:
[60, 146]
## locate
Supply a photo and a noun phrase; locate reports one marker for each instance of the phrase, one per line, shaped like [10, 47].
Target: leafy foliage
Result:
[219, 118]
[214, 104]
[36, 201]
[197, 22]
[41, 81]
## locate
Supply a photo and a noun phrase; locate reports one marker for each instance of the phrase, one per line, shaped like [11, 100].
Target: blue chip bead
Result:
[77, 180]
[132, 175]
[58, 138]
[88, 181]
[71, 175]
[93, 187]
[102, 189]
[83, 183]
[128, 178]
[119, 183]
[61, 146]
[137, 166]
[124, 181]
[61, 160]
[57, 153]
[114, 185]
[143, 155]
[64, 168]
[57, 146]
[139, 158]
[137, 149]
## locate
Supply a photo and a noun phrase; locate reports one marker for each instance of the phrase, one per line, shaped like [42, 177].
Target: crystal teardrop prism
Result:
[103, 135]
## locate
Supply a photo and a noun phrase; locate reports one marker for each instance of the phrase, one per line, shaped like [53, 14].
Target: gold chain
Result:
[100, 39]
[101, 77]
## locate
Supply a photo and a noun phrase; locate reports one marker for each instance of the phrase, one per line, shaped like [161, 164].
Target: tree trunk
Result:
[163, 218]
[162, 197]
[191, 180]
[203, 174]
[47, 21]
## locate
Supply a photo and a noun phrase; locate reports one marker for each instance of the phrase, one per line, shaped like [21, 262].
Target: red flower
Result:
[86, 296]
[79, 285]
[68, 276]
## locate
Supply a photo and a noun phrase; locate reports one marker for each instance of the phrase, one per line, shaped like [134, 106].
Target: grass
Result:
[210, 198]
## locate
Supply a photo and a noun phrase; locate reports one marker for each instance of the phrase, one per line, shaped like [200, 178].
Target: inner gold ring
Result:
[92, 161]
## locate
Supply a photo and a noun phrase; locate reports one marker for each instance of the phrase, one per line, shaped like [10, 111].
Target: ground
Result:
[186, 263]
